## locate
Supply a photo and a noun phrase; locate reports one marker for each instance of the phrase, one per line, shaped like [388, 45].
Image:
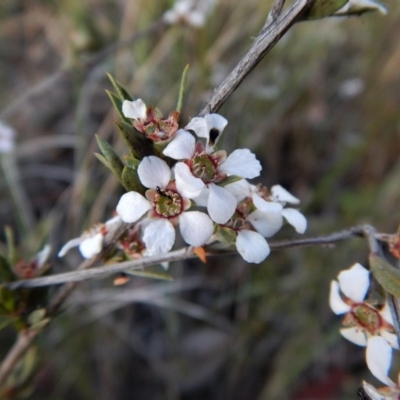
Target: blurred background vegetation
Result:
[322, 114]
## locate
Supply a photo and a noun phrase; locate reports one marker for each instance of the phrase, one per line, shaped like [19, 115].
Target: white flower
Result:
[166, 206]
[269, 207]
[90, 242]
[7, 138]
[192, 12]
[379, 359]
[197, 177]
[362, 319]
[209, 127]
[252, 246]
[36, 267]
[134, 109]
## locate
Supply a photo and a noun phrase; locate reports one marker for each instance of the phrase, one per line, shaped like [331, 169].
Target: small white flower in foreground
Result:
[36, 267]
[258, 215]
[150, 121]
[191, 12]
[363, 320]
[268, 209]
[7, 138]
[90, 242]
[379, 359]
[166, 207]
[201, 170]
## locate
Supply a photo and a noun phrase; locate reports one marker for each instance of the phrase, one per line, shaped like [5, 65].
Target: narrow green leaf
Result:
[131, 181]
[225, 235]
[229, 179]
[322, 8]
[137, 142]
[387, 275]
[102, 159]
[131, 162]
[113, 160]
[182, 88]
[153, 271]
[12, 253]
[7, 299]
[117, 103]
[122, 92]
[5, 270]
[26, 366]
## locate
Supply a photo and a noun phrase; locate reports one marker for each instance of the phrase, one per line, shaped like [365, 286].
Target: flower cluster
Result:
[191, 12]
[366, 324]
[178, 179]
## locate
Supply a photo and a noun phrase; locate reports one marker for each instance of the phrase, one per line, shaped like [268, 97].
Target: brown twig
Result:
[24, 341]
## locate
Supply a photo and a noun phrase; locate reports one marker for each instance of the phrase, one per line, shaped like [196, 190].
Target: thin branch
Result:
[104, 271]
[182, 254]
[24, 341]
[264, 42]
[276, 10]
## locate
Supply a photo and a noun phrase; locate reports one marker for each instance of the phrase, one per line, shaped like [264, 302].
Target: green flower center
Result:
[367, 317]
[203, 167]
[168, 203]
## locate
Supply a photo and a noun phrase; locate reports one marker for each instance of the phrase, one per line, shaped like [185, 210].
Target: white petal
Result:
[391, 338]
[336, 302]
[354, 335]
[134, 109]
[159, 237]
[372, 392]
[354, 282]
[241, 162]
[202, 199]
[199, 126]
[132, 206]
[282, 195]
[91, 246]
[296, 219]
[252, 246]
[221, 204]
[386, 314]
[379, 358]
[69, 245]
[43, 255]
[240, 189]
[361, 6]
[154, 172]
[196, 227]
[216, 121]
[266, 206]
[196, 19]
[187, 184]
[113, 222]
[182, 146]
[266, 223]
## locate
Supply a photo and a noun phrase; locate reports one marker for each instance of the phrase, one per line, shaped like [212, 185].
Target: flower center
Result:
[367, 317]
[167, 203]
[203, 167]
